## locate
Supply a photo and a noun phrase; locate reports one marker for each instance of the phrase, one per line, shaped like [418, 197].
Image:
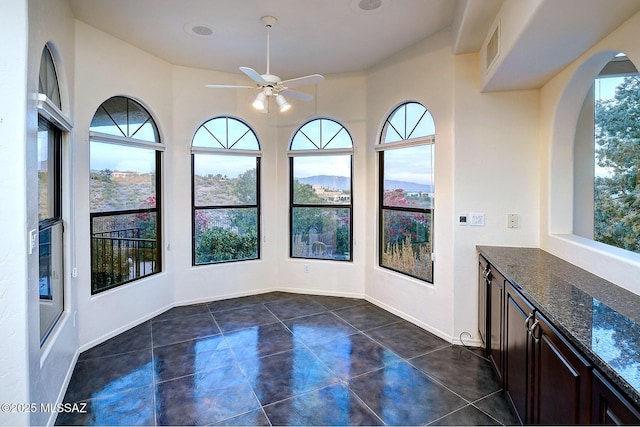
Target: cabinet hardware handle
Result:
[526, 321]
[532, 330]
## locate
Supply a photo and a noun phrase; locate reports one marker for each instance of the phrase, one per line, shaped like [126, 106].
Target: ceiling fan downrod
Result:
[268, 22]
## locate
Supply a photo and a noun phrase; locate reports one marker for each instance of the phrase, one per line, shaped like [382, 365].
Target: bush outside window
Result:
[225, 192]
[406, 155]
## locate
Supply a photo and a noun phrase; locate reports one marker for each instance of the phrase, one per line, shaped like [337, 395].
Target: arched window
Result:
[225, 192]
[52, 124]
[125, 171]
[320, 164]
[406, 157]
[607, 158]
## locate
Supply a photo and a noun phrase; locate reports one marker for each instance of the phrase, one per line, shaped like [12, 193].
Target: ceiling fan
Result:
[270, 85]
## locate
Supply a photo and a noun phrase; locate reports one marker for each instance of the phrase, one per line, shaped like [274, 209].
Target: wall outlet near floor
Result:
[307, 269]
[512, 220]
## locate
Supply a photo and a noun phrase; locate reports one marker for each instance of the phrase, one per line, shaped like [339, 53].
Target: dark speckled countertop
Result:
[601, 319]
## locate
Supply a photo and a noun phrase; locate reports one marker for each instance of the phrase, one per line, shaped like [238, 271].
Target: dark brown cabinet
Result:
[561, 378]
[517, 344]
[608, 406]
[491, 288]
[546, 379]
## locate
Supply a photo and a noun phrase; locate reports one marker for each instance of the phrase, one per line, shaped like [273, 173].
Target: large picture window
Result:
[321, 191]
[225, 192]
[406, 154]
[125, 159]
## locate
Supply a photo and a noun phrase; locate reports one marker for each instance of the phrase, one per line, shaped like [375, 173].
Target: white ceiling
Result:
[311, 36]
[338, 36]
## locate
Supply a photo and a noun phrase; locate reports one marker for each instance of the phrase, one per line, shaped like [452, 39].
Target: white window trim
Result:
[51, 112]
[413, 142]
[129, 142]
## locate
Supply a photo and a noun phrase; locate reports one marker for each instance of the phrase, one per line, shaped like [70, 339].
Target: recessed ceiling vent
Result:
[492, 47]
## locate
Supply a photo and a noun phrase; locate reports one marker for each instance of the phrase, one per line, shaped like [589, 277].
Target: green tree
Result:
[245, 192]
[306, 218]
[617, 195]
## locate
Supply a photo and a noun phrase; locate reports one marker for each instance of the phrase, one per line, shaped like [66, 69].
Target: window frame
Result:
[158, 147]
[228, 151]
[320, 151]
[381, 147]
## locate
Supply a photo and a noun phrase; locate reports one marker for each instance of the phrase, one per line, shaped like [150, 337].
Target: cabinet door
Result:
[495, 331]
[483, 308]
[560, 378]
[518, 315]
[608, 406]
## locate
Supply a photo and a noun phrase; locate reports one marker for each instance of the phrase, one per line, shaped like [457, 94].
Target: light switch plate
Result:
[476, 219]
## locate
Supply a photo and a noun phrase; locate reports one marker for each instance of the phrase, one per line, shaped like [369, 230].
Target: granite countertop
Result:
[601, 319]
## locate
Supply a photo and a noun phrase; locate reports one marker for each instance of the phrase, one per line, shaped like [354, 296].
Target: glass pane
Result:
[390, 133]
[322, 179]
[124, 117]
[320, 134]
[330, 134]
[46, 172]
[50, 278]
[408, 177]
[248, 141]
[111, 117]
[323, 233]
[406, 243]
[121, 177]
[419, 121]
[301, 141]
[48, 80]
[410, 120]
[226, 132]
[342, 139]
[617, 162]
[222, 180]
[123, 248]
[225, 235]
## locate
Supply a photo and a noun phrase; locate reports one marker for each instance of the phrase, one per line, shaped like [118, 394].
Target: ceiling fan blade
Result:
[297, 95]
[303, 81]
[253, 75]
[229, 87]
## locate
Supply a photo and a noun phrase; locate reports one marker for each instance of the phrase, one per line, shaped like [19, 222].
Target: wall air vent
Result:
[492, 47]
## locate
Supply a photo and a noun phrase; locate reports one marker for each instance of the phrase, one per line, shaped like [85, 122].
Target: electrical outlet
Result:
[512, 220]
[306, 268]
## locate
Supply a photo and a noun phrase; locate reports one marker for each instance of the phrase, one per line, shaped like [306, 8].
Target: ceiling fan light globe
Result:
[282, 103]
[258, 101]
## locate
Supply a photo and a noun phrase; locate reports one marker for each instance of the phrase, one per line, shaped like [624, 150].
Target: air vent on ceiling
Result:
[492, 47]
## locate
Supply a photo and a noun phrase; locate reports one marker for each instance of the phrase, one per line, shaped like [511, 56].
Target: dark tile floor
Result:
[283, 359]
